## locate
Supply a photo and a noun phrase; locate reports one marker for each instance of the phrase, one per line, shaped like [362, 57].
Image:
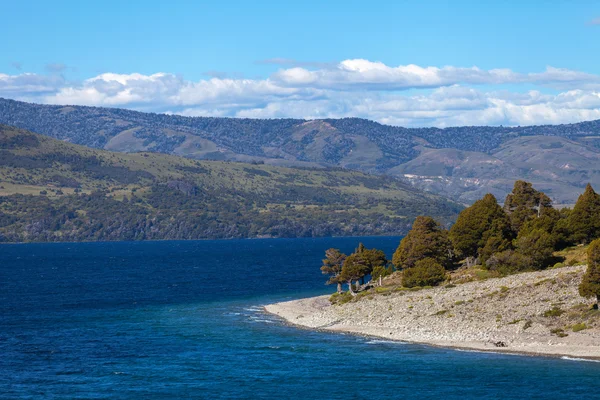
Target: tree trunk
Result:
[597, 301]
[339, 287]
[350, 289]
[380, 280]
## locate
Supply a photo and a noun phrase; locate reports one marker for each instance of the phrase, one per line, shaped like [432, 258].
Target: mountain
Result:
[51, 190]
[460, 162]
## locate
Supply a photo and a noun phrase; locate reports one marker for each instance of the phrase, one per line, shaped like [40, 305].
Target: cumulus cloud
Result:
[408, 95]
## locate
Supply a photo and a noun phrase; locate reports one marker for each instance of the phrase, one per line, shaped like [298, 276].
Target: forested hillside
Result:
[56, 191]
[468, 161]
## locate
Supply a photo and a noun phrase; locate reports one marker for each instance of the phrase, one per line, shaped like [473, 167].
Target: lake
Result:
[156, 320]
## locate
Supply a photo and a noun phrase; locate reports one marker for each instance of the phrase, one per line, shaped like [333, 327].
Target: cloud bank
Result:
[407, 95]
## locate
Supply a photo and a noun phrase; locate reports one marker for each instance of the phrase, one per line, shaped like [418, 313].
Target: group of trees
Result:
[522, 235]
[352, 268]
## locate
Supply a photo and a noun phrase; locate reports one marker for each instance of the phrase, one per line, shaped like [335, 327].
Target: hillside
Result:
[461, 162]
[52, 190]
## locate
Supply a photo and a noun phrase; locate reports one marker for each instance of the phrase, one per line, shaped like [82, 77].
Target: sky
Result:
[406, 63]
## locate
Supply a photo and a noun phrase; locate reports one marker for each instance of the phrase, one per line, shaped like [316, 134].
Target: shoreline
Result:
[419, 317]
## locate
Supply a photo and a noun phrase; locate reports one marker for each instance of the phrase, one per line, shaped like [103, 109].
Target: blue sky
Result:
[231, 55]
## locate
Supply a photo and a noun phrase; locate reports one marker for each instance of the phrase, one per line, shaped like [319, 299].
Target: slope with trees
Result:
[56, 191]
[463, 163]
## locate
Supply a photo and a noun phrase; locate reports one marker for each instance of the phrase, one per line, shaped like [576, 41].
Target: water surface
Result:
[158, 320]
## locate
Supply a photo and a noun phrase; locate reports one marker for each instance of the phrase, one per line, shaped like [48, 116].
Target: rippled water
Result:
[184, 319]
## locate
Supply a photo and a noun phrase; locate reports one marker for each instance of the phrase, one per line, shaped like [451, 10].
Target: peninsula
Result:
[509, 279]
[535, 313]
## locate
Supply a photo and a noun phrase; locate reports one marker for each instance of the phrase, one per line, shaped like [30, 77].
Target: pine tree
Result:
[524, 203]
[584, 220]
[590, 285]
[537, 246]
[425, 239]
[476, 224]
[332, 266]
[354, 268]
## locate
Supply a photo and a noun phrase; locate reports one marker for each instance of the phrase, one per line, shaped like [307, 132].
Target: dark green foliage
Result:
[590, 285]
[509, 262]
[362, 262]
[381, 271]
[537, 246]
[332, 266]
[426, 272]
[426, 239]
[476, 224]
[494, 244]
[524, 203]
[584, 220]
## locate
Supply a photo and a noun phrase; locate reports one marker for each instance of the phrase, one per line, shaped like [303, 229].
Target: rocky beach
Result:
[537, 313]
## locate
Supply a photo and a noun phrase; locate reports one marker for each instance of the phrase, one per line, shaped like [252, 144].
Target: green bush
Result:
[509, 262]
[426, 272]
[554, 312]
[340, 298]
[579, 327]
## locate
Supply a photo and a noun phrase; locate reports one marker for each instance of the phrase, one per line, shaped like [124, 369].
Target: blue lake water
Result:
[155, 320]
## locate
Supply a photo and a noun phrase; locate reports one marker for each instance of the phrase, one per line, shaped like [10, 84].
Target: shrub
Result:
[426, 272]
[579, 327]
[509, 262]
[340, 298]
[554, 312]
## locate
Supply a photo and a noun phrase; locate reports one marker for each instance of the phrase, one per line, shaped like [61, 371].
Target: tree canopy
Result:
[426, 239]
[525, 202]
[476, 224]
[584, 220]
[590, 285]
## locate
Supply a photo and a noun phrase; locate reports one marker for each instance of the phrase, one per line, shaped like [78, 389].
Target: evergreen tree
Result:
[425, 239]
[590, 285]
[537, 246]
[584, 220]
[354, 268]
[524, 203]
[380, 272]
[476, 224]
[332, 266]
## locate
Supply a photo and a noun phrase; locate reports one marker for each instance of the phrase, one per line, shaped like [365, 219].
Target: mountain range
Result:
[462, 163]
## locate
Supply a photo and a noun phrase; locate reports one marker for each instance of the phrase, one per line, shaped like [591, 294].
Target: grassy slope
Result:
[31, 163]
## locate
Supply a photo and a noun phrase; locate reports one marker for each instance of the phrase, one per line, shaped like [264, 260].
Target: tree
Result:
[584, 220]
[475, 225]
[332, 266]
[381, 272]
[426, 272]
[354, 268]
[590, 285]
[373, 258]
[425, 239]
[524, 203]
[537, 246]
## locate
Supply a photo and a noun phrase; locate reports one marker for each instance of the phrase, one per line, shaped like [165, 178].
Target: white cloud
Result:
[408, 95]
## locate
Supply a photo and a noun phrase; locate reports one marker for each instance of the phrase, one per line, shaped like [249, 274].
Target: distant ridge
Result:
[461, 162]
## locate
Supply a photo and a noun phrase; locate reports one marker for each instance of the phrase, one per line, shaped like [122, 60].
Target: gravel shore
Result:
[537, 313]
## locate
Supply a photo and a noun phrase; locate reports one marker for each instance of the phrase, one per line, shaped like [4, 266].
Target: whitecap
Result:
[579, 359]
[380, 341]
